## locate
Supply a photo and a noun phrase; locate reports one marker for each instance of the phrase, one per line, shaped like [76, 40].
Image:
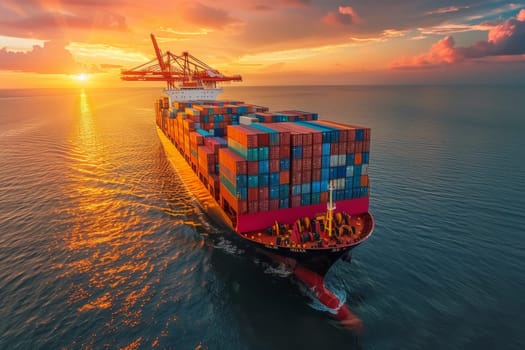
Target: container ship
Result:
[291, 184]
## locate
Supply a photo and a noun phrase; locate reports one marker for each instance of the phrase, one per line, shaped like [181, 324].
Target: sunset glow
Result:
[81, 77]
[271, 42]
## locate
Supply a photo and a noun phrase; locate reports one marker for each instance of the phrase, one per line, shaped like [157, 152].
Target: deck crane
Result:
[178, 71]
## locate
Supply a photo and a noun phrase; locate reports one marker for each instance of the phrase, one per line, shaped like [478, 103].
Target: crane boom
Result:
[158, 53]
[184, 69]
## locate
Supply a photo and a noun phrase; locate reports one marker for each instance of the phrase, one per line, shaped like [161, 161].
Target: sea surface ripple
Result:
[103, 246]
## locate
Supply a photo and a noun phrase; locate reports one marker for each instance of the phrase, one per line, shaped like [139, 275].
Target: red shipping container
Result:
[368, 133]
[323, 197]
[296, 177]
[316, 174]
[359, 146]
[284, 151]
[296, 139]
[295, 201]
[316, 163]
[284, 138]
[253, 207]
[274, 165]
[297, 164]
[274, 152]
[253, 194]
[306, 177]
[263, 139]
[307, 151]
[252, 167]
[317, 150]
[242, 207]
[307, 165]
[264, 205]
[342, 148]
[317, 138]
[343, 135]
[263, 193]
[350, 147]
[274, 204]
[334, 148]
[366, 146]
[307, 139]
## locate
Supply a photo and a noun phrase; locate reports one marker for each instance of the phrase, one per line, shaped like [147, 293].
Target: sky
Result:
[61, 43]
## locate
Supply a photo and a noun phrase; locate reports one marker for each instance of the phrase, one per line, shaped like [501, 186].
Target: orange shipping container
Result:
[358, 158]
[364, 180]
[284, 177]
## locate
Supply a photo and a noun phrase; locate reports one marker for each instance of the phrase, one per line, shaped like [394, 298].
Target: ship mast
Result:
[330, 207]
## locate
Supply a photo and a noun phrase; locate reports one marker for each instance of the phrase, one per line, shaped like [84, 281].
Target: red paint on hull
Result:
[260, 221]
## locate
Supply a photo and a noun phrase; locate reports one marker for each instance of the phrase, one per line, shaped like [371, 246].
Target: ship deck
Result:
[310, 235]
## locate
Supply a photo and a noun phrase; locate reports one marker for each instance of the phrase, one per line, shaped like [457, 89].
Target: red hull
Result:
[262, 220]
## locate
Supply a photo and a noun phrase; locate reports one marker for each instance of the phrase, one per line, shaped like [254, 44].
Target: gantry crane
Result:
[184, 71]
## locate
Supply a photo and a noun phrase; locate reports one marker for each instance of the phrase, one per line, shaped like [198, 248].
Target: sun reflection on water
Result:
[120, 242]
[105, 239]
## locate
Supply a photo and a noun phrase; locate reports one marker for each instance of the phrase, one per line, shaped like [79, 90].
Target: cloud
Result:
[344, 16]
[205, 16]
[449, 28]
[270, 5]
[449, 9]
[38, 20]
[507, 38]
[521, 16]
[52, 58]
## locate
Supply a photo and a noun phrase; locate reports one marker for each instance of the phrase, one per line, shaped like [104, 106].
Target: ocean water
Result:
[103, 246]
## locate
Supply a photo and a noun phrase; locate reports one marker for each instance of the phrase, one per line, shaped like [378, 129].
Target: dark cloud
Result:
[504, 39]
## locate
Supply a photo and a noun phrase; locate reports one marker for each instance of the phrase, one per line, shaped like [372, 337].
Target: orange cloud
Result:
[441, 52]
[507, 38]
[52, 58]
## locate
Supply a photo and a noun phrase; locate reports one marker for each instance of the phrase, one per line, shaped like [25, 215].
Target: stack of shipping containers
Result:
[284, 160]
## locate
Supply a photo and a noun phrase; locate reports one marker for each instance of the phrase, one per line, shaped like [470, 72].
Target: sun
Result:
[81, 77]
